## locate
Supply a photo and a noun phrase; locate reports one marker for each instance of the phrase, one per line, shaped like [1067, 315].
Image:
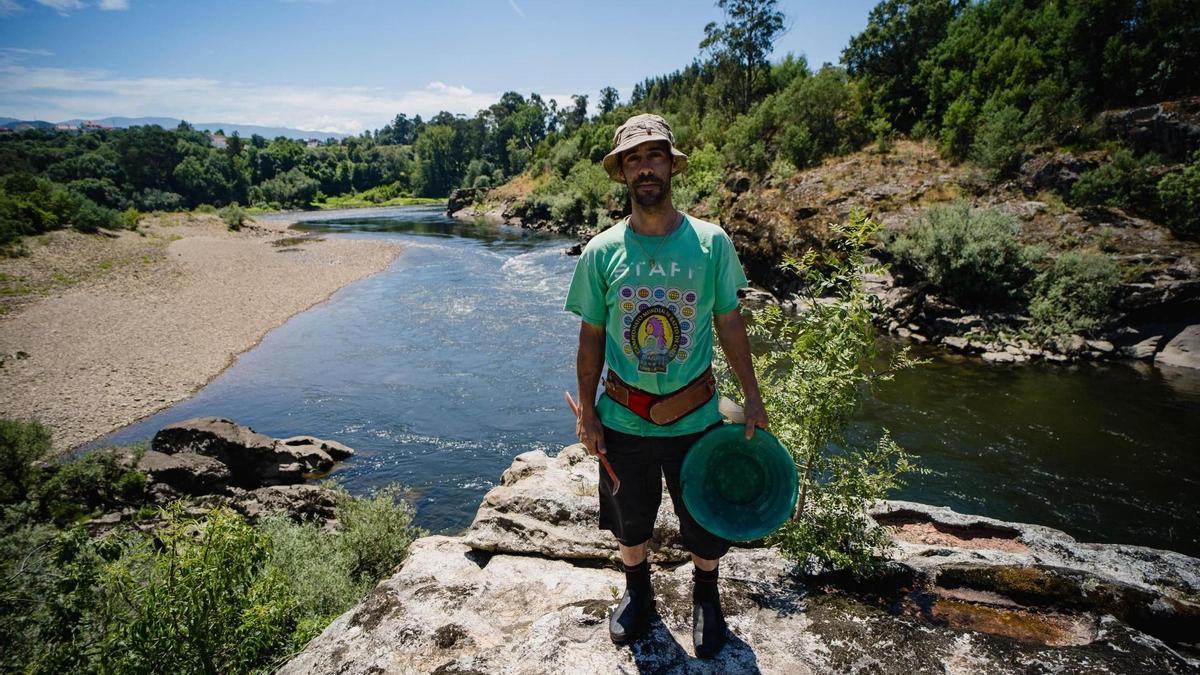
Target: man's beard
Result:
[650, 199]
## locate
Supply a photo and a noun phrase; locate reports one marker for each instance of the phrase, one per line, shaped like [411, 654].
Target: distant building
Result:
[314, 143]
[92, 125]
[218, 140]
[65, 127]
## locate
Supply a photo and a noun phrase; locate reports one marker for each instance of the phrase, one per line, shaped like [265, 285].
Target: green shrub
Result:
[76, 488]
[971, 254]
[376, 532]
[204, 599]
[1000, 139]
[813, 372]
[90, 217]
[234, 216]
[1123, 182]
[883, 133]
[21, 445]
[130, 218]
[1075, 295]
[206, 208]
[1179, 199]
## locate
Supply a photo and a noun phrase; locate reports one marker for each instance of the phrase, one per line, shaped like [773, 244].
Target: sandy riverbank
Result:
[118, 328]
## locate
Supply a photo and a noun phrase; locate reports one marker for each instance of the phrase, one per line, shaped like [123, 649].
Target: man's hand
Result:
[590, 432]
[756, 416]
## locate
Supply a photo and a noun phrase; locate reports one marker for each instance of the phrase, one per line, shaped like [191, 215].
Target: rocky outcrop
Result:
[253, 459]
[214, 461]
[549, 506]
[1183, 350]
[1171, 129]
[528, 588]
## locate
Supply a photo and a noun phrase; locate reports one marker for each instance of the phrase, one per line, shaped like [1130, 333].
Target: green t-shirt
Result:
[658, 320]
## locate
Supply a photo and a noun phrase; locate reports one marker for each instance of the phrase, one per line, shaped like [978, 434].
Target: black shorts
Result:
[641, 462]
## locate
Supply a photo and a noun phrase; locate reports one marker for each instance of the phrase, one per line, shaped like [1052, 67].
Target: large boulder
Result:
[549, 506]
[299, 502]
[453, 609]
[185, 472]
[1183, 350]
[253, 459]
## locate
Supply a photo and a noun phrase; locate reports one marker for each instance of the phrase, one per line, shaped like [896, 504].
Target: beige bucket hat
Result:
[635, 131]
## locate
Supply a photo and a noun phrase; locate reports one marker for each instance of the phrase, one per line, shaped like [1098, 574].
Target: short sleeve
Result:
[586, 296]
[729, 275]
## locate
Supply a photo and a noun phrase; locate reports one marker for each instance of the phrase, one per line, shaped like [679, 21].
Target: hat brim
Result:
[613, 168]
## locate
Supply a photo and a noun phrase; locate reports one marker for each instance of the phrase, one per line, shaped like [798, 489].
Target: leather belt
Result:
[662, 409]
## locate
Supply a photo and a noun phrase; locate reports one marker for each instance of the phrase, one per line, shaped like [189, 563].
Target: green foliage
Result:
[743, 42]
[206, 208]
[971, 254]
[204, 594]
[74, 489]
[293, 189]
[234, 216]
[203, 598]
[706, 168]
[376, 532]
[813, 373]
[130, 218]
[584, 197]
[22, 443]
[1124, 182]
[1075, 295]
[1000, 139]
[1179, 199]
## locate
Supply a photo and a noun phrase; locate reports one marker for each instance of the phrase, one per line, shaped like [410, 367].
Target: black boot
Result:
[633, 612]
[708, 623]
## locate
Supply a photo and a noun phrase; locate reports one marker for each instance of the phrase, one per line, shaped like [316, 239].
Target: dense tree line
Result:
[986, 80]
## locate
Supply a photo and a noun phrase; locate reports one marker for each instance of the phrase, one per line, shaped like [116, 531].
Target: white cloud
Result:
[114, 5]
[9, 7]
[516, 8]
[61, 6]
[63, 93]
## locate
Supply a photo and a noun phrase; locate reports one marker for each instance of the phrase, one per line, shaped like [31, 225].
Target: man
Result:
[648, 291]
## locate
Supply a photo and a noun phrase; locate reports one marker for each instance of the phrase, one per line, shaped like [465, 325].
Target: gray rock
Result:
[186, 472]
[253, 459]
[1183, 350]
[1102, 346]
[1141, 350]
[451, 609]
[299, 502]
[332, 448]
[550, 507]
[999, 357]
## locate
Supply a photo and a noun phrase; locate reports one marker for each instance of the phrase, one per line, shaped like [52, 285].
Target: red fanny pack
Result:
[662, 409]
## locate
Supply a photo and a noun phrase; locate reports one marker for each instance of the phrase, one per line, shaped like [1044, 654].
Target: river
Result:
[442, 368]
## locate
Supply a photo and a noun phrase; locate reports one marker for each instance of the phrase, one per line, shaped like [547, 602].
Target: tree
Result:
[887, 54]
[609, 100]
[744, 41]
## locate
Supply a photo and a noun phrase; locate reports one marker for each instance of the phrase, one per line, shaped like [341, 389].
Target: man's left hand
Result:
[756, 416]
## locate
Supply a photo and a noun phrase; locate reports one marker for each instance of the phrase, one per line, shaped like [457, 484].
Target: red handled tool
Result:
[603, 460]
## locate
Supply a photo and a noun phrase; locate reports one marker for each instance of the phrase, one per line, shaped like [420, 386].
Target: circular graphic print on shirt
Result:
[654, 337]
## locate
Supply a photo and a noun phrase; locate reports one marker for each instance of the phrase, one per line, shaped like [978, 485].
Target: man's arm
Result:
[588, 363]
[731, 331]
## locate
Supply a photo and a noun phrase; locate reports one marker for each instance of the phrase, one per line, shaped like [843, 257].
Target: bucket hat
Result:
[635, 131]
[736, 488]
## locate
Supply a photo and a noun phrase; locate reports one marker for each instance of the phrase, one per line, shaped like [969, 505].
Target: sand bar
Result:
[117, 328]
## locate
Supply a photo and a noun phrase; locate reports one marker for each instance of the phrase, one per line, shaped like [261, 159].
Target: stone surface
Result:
[185, 472]
[253, 458]
[1183, 350]
[549, 506]
[958, 594]
[451, 609]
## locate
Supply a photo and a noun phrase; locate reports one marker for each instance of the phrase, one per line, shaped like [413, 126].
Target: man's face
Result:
[647, 171]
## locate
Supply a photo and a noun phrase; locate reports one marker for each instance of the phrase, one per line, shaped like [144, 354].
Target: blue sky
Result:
[350, 65]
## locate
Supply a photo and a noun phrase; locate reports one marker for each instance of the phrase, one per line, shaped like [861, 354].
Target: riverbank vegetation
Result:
[200, 589]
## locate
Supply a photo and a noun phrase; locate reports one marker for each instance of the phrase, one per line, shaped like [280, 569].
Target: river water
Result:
[442, 368]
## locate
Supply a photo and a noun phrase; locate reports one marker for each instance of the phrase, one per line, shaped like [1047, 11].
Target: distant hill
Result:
[243, 130]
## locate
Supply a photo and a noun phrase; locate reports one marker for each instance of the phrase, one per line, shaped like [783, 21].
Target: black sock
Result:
[637, 577]
[704, 585]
